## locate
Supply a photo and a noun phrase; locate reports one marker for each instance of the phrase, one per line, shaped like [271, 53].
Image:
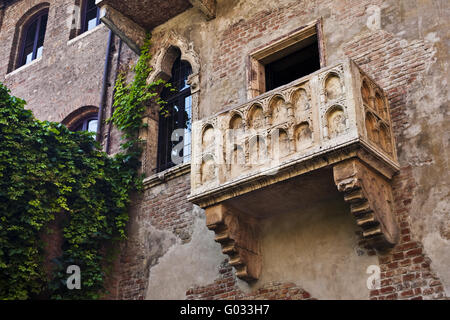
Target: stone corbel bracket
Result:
[239, 238]
[369, 194]
[208, 7]
[126, 29]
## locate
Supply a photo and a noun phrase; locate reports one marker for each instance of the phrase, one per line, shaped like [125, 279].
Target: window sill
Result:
[26, 66]
[85, 34]
[166, 175]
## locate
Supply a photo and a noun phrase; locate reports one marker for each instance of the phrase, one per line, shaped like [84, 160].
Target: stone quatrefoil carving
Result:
[336, 117]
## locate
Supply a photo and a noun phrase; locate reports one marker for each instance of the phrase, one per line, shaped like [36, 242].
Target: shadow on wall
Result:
[312, 239]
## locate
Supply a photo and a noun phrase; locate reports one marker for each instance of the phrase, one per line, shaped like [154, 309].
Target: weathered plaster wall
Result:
[424, 138]
[162, 222]
[401, 45]
[200, 260]
[317, 247]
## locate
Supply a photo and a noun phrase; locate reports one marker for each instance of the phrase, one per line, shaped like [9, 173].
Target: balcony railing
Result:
[322, 117]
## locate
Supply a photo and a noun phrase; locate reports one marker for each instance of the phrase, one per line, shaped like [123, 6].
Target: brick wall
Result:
[225, 288]
[69, 74]
[406, 272]
[165, 208]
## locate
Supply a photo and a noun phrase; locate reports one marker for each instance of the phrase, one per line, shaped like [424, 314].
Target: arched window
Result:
[88, 124]
[82, 119]
[174, 137]
[90, 15]
[33, 38]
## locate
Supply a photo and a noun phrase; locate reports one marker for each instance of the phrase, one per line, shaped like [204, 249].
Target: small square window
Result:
[287, 60]
[290, 66]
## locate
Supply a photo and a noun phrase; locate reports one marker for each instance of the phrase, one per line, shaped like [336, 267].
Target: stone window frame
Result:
[179, 99]
[162, 61]
[255, 70]
[18, 38]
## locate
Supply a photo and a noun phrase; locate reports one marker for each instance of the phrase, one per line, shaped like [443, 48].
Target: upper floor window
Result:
[90, 15]
[286, 60]
[33, 38]
[288, 66]
[87, 124]
[82, 119]
[174, 136]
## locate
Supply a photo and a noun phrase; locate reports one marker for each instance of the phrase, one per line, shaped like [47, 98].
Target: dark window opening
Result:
[90, 16]
[174, 146]
[33, 38]
[88, 124]
[292, 63]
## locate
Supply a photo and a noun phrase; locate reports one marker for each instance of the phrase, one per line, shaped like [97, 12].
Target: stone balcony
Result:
[335, 121]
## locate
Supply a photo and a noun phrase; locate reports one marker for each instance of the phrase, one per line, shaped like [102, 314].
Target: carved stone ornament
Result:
[239, 237]
[370, 197]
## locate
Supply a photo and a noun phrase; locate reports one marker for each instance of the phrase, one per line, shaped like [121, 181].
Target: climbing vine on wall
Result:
[131, 100]
[48, 172]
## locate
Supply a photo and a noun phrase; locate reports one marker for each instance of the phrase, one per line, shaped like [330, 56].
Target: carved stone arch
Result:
[283, 126]
[18, 33]
[278, 142]
[385, 138]
[336, 120]
[235, 131]
[162, 62]
[255, 116]
[257, 149]
[300, 98]
[73, 119]
[236, 120]
[173, 40]
[380, 104]
[303, 136]
[164, 67]
[366, 91]
[275, 98]
[236, 160]
[164, 53]
[372, 129]
[205, 126]
[333, 86]
[278, 109]
[208, 137]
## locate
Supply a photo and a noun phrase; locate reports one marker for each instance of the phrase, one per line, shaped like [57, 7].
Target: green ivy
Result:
[131, 100]
[47, 171]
